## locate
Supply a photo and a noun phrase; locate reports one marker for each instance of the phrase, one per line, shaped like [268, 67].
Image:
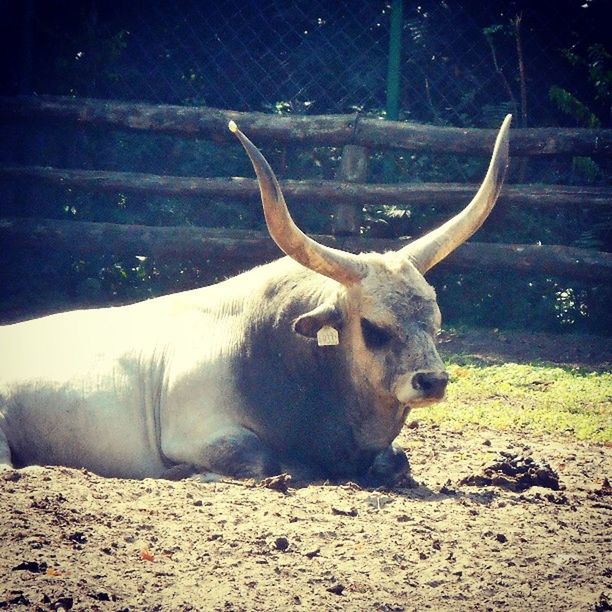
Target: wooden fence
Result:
[347, 194]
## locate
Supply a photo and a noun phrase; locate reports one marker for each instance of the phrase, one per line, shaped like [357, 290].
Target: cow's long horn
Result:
[343, 267]
[428, 250]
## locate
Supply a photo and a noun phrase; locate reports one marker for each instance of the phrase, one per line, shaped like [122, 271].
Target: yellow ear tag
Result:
[327, 336]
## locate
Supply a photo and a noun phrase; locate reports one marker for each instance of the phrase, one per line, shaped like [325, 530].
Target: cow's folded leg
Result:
[179, 471]
[390, 467]
[5, 453]
[236, 452]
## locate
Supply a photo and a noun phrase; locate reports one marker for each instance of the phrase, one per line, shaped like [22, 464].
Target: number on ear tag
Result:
[327, 336]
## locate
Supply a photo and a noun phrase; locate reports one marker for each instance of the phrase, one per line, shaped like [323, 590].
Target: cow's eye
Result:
[374, 336]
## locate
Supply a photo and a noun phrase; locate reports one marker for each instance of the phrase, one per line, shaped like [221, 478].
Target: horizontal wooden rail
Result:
[438, 194]
[323, 130]
[248, 248]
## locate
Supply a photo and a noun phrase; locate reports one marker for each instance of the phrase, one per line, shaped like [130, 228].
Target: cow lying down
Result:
[310, 363]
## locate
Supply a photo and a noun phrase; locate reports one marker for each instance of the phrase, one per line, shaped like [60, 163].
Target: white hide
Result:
[96, 388]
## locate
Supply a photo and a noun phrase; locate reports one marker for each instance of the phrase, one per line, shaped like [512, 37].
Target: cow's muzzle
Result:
[422, 387]
[431, 384]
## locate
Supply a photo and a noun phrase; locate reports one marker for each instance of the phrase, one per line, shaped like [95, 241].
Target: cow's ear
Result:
[310, 323]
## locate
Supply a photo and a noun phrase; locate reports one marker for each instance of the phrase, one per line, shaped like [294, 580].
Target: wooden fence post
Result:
[354, 167]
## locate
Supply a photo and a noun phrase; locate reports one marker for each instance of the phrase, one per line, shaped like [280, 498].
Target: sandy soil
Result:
[467, 538]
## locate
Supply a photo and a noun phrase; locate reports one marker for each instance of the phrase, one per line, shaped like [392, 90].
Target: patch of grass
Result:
[533, 397]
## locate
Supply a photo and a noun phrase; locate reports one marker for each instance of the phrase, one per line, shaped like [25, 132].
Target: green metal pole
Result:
[395, 52]
[393, 78]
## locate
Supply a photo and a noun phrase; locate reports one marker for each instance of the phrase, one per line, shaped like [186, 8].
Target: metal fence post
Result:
[394, 65]
[393, 76]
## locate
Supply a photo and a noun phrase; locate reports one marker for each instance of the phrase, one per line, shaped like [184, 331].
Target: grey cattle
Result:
[311, 363]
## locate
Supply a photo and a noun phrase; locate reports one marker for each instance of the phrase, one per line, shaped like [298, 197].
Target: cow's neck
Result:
[298, 395]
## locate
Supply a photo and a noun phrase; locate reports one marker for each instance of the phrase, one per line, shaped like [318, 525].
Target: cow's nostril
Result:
[432, 384]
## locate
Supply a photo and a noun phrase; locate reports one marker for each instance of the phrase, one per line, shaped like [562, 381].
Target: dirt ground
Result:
[474, 535]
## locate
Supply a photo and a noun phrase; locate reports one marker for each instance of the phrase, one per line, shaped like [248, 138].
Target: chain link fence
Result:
[461, 63]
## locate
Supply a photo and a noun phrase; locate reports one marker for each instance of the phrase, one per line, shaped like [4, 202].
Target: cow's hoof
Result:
[390, 468]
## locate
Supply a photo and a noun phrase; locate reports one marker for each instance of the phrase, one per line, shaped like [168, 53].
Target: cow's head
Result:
[383, 308]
